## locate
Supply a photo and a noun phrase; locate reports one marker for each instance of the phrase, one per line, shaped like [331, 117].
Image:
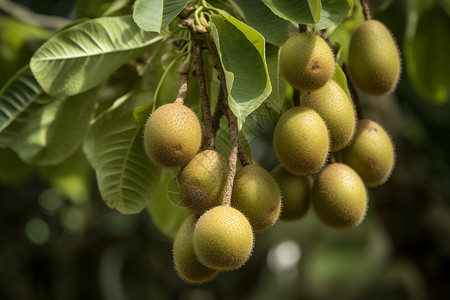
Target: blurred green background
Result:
[58, 240]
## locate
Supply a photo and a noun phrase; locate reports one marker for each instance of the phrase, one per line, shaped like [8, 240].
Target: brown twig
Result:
[242, 156]
[209, 139]
[366, 10]
[182, 92]
[218, 113]
[296, 97]
[354, 94]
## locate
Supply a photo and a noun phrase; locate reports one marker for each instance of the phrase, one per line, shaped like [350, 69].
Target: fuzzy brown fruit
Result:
[306, 61]
[301, 141]
[371, 153]
[172, 135]
[295, 192]
[339, 196]
[201, 182]
[373, 59]
[257, 196]
[223, 238]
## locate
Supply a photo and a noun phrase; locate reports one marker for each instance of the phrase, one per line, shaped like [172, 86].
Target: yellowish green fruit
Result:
[257, 196]
[201, 182]
[295, 192]
[371, 153]
[336, 109]
[189, 268]
[223, 238]
[339, 196]
[172, 135]
[301, 141]
[373, 59]
[306, 61]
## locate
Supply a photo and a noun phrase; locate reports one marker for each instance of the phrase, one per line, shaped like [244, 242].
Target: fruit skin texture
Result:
[339, 196]
[223, 238]
[336, 109]
[172, 135]
[295, 192]
[257, 196]
[301, 141]
[189, 268]
[371, 153]
[306, 61]
[201, 182]
[373, 59]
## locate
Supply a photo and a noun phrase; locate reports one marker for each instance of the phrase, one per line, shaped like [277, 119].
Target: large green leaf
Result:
[98, 8]
[297, 11]
[154, 15]
[258, 16]
[16, 96]
[82, 56]
[426, 52]
[333, 12]
[126, 178]
[55, 130]
[276, 98]
[242, 52]
[163, 207]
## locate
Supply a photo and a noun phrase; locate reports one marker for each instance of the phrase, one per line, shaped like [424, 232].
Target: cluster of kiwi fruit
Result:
[219, 237]
[215, 237]
[324, 123]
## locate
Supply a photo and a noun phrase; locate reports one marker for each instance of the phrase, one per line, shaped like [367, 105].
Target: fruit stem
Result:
[242, 157]
[182, 92]
[296, 97]
[366, 10]
[302, 28]
[354, 94]
[209, 139]
[218, 113]
[232, 159]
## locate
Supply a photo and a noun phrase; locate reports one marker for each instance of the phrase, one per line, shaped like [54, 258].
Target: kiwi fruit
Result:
[295, 192]
[339, 196]
[223, 238]
[172, 135]
[373, 59]
[306, 61]
[336, 109]
[256, 195]
[301, 141]
[189, 268]
[201, 182]
[371, 153]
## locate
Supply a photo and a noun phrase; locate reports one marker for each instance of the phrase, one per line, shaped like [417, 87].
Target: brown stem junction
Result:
[366, 10]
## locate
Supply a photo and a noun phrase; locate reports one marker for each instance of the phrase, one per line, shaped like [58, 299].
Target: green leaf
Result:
[333, 12]
[84, 55]
[16, 96]
[55, 130]
[241, 49]
[98, 8]
[275, 100]
[154, 15]
[297, 11]
[126, 178]
[341, 79]
[426, 54]
[258, 16]
[163, 207]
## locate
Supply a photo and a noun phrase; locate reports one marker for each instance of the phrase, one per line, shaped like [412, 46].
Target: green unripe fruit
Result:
[339, 196]
[373, 59]
[295, 192]
[371, 153]
[223, 238]
[306, 61]
[301, 141]
[256, 195]
[187, 265]
[172, 135]
[336, 109]
[201, 182]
